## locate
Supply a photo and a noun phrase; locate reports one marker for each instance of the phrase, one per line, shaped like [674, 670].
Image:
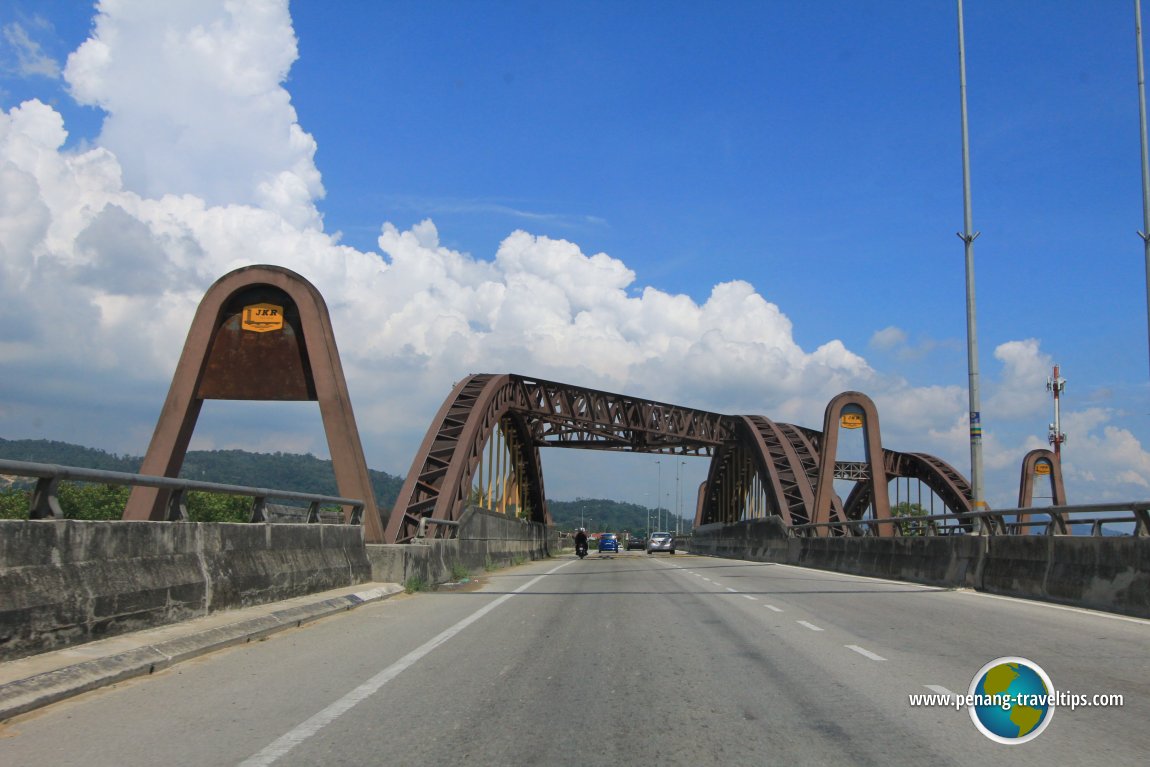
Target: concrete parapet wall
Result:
[64, 582]
[1104, 573]
[485, 539]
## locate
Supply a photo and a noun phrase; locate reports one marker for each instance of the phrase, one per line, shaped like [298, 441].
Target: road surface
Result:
[673, 660]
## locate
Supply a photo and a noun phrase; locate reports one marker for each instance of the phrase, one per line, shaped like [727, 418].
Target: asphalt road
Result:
[677, 660]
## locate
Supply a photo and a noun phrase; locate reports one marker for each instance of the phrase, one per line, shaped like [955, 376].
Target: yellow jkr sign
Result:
[261, 318]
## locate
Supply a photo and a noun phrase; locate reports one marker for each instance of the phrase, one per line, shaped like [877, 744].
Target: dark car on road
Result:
[609, 542]
[635, 542]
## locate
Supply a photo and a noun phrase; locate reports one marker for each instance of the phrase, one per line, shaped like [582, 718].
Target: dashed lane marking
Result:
[864, 652]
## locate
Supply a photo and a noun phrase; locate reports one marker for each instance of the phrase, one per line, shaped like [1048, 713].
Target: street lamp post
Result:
[659, 496]
[678, 495]
[968, 236]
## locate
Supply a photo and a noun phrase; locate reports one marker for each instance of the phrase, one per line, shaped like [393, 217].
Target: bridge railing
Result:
[44, 502]
[1052, 520]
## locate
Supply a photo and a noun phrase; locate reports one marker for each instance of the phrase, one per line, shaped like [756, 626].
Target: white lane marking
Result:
[811, 626]
[864, 652]
[772, 607]
[733, 591]
[748, 596]
[1068, 608]
[939, 689]
[301, 732]
[849, 576]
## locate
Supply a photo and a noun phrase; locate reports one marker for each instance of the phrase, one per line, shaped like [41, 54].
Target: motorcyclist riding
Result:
[581, 542]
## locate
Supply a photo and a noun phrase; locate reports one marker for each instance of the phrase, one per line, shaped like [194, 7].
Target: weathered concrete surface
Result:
[35, 681]
[68, 581]
[1106, 573]
[485, 540]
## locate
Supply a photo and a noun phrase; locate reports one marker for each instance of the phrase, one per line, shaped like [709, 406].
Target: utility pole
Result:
[968, 236]
[1056, 385]
[1145, 233]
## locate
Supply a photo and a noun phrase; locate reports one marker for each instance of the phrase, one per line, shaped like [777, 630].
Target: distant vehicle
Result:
[635, 542]
[609, 542]
[661, 542]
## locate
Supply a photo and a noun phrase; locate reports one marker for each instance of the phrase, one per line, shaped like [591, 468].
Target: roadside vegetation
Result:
[81, 500]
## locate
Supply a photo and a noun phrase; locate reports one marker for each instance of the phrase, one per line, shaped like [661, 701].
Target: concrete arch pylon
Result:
[233, 352]
[1032, 463]
[855, 403]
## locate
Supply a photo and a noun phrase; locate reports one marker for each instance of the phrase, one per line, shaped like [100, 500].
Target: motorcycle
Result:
[580, 550]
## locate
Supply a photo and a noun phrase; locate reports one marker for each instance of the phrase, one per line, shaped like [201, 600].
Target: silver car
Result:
[661, 542]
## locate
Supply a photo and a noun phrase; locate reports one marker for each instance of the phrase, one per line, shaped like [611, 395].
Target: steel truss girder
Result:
[571, 416]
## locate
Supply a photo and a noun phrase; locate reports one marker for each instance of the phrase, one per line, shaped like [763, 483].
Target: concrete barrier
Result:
[485, 540]
[64, 582]
[1103, 573]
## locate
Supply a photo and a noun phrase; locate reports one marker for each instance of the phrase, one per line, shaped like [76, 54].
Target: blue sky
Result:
[745, 207]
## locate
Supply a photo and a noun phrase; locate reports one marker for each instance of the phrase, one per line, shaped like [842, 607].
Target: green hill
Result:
[601, 515]
[281, 471]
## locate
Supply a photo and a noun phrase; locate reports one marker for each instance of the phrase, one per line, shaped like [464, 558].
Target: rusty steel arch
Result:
[779, 458]
[943, 480]
[540, 414]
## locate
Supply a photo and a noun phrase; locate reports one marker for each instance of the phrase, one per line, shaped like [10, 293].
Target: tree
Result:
[910, 527]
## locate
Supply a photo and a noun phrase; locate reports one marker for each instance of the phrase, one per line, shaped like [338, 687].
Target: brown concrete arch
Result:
[259, 333]
[1041, 462]
[856, 404]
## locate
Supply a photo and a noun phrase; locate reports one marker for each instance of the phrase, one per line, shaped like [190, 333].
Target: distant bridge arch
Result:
[482, 449]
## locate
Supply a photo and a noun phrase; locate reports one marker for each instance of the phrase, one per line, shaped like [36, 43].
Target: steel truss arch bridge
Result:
[482, 449]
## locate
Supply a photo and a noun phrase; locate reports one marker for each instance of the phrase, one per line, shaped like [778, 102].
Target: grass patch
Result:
[415, 583]
[459, 571]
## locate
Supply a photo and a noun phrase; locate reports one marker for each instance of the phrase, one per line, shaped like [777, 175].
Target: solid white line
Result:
[834, 574]
[811, 626]
[1068, 608]
[306, 729]
[939, 689]
[772, 607]
[864, 652]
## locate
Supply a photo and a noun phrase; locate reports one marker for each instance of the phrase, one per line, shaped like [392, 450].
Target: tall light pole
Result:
[968, 236]
[677, 494]
[1145, 233]
[659, 496]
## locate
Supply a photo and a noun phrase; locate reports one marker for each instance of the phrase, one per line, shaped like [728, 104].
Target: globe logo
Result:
[1012, 700]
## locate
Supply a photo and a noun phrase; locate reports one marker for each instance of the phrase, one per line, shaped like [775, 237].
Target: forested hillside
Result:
[281, 471]
[601, 515]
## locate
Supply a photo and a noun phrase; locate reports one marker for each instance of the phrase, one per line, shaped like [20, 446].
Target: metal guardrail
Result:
[45, 505]
[1059, 520]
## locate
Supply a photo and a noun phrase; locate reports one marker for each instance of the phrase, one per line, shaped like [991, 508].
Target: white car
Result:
[661, 542]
